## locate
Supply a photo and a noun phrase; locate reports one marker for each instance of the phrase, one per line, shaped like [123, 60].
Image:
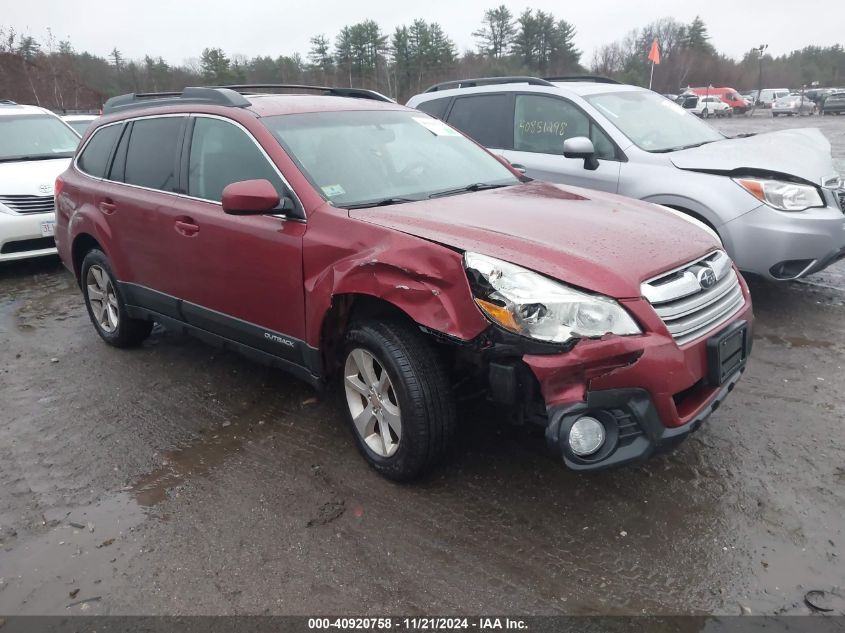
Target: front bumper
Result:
[21, 238]
[635, 431]
[781, 245]
[656, 391]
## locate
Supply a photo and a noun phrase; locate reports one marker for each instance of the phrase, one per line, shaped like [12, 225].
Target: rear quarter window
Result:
[94, 158]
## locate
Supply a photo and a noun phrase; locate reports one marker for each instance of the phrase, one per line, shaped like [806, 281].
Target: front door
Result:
[238, 276]
[541, 124]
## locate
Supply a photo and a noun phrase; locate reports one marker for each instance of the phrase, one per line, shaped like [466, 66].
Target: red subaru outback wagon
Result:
[346, 238]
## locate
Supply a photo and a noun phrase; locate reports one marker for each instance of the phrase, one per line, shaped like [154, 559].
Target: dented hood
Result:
[593, 240]
[804, 153]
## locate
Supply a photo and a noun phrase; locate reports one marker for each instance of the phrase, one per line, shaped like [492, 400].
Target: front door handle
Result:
[107, 206]
[186, 227]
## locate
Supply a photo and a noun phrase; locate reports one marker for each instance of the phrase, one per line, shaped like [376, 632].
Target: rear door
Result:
[540, 125]
[140, 188]
[486, 118]
[238, 276]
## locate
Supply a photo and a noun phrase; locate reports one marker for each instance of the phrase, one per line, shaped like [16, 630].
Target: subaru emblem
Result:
[45, 189]
[706, 278]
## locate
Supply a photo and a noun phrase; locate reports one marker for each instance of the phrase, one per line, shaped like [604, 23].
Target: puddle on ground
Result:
[70, 569]
[210, 449]
[182, 464]
[45, 299]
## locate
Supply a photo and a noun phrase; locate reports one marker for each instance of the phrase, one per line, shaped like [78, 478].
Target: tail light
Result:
[57, 189]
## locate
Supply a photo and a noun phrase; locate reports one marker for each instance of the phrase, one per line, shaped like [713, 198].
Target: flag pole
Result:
[651, 78]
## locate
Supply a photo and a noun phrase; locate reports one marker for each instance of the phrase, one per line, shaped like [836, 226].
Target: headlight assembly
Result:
[529, 304]
[783, 195]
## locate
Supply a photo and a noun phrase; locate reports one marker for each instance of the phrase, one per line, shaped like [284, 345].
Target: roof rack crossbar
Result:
[359, 93]
[488, 81]
[198, 95]
[598, 79]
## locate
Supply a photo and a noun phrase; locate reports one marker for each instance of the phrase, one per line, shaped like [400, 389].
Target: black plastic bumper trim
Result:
[655, 437]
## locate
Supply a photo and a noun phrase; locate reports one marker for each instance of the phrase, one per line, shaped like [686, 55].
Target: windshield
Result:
[35, 136]
[651, 122]
[355, 158]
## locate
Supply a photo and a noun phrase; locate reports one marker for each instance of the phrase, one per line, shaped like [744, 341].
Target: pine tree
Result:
[496, 32]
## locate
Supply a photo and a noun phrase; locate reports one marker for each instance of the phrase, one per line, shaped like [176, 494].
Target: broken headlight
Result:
[527, 303]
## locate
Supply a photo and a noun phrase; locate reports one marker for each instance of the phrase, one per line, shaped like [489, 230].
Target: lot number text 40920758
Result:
[417, 624]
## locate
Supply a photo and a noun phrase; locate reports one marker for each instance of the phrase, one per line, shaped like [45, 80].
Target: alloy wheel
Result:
[102, 298]
[372, 402]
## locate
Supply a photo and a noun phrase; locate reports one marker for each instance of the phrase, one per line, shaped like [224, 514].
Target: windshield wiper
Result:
[379, 203]
[679, 148]
[16, 159]
[476, 186]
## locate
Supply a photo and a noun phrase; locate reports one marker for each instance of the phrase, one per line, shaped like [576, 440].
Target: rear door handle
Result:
[186, 227]
[108, 206]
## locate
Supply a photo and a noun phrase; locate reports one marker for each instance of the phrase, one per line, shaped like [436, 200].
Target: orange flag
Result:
[654, 53]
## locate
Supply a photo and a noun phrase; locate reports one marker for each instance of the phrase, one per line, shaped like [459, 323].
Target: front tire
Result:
[397, 397]
[106, 306]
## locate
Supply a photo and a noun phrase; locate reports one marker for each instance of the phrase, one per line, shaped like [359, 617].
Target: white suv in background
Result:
[775, 199]
[35, 147]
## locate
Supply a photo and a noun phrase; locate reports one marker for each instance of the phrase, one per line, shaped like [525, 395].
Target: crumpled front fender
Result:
[424, 280]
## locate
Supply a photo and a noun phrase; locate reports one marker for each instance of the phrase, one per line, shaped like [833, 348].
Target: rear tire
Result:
[402, 421]
[105, 304]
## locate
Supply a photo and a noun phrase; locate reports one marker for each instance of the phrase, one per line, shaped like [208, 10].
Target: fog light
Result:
[586, 436]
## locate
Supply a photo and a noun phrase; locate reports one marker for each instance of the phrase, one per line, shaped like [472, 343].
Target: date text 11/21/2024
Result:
[418, 624]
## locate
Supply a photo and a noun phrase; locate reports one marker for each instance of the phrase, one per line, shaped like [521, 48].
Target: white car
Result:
[704, 107]
[769, 95]
[716, 107]
[35, 147]
[79, 122]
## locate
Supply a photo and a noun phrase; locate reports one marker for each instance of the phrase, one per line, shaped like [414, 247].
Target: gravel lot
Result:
[181, 480]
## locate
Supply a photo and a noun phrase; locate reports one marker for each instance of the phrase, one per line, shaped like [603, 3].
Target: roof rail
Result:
[598, 79]
[7, 102]
[200, 95]
[226, 96]
[358, 93]
[488, 81]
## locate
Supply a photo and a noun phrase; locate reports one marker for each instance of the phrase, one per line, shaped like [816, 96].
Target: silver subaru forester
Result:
[775, 199]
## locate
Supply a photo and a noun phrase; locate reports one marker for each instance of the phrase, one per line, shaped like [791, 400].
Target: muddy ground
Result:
[178, 479]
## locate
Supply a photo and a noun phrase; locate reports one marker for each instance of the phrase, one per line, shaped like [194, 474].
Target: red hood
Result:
[597, 241]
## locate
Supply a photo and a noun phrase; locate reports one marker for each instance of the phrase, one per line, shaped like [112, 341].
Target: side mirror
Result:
[250, 197]
[581, 147]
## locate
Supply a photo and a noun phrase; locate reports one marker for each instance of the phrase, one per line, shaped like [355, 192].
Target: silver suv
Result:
[775, 199]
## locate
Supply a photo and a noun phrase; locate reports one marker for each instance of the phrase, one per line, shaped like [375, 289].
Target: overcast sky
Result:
[179, 29]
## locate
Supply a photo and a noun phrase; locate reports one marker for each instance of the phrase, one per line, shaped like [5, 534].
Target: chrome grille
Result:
[689, 310]
[29, 204]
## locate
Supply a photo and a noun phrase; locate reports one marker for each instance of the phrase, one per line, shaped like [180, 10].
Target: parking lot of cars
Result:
[189, 480]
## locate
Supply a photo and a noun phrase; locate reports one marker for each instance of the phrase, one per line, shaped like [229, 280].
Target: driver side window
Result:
[222, 153]
[542, 124]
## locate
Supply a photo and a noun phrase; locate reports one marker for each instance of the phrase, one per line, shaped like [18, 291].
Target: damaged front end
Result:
[608, 401]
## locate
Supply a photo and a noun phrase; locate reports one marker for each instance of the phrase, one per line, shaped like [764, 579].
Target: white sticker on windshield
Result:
[436, 127]
[333, 190]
